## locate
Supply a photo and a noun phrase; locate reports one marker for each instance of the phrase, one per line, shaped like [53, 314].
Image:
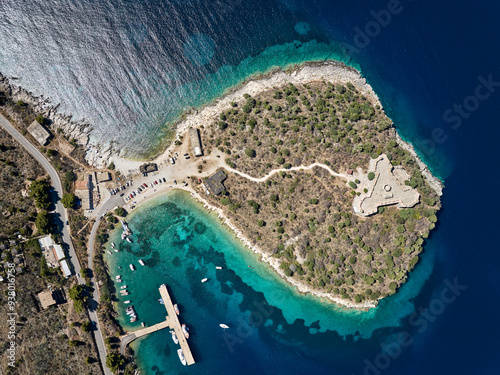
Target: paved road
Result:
[63, 216]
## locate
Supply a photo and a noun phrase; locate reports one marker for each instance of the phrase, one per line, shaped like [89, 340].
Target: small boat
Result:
[109, 252]
[113, 245]
[132, 267]
[224, 326]
[133, 319]
[128, 239]
[141, 262]
[115, 250]
[124, 235]
[120, 267]
[142, 324]
[185, 331]
[127, 302]
[218, 268]
[181, 356]
[204, 280]
[123, 287]
[118, 277]
[161, 301]
[125, 294]
[176, 309]
[174, 337]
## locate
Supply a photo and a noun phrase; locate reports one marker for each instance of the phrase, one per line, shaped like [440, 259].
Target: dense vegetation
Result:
[305, 218]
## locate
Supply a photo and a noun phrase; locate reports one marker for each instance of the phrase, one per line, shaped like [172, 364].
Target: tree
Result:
[314, 201]
[120, 211]
[273, 198]
[353, 185]
[280, 160]
[86, 326]
[69, 178]
[39, 191]
[261, 223]
[111, 166]
[114, 360]
[68, 200]
[250, 153]
[77, 294]
[371, 176]
[40, 119]
[42, 222]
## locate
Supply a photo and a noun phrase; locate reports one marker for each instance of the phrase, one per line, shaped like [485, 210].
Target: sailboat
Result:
[224, 326]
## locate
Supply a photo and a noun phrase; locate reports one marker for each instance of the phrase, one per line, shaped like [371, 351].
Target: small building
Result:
[46, 299]
[214, 182]
[65, 268]
[58, 252]
[102, 177]
[53, 254]
[64, 146]
[39, 132]
[350, 172]
[83, 190]
[194, 137]
[148, 168]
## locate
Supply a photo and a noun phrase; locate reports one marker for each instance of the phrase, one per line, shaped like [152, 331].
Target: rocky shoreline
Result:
[332, 71]
[79, 130]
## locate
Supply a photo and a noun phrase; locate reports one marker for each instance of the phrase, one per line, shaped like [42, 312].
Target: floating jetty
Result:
[172, 321]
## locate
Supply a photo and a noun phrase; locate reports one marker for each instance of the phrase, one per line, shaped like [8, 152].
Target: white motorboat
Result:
[127, 302]
[204, 280]
[132, 267]
[141, 262]
[181, 356]
[225, 326]
[118, 277]
[174, 337]
[218, 268]
[185, 331]
[113, 245]
[123, 287]
[128, 239]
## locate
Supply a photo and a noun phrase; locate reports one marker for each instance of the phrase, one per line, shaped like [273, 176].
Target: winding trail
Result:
[274, 171]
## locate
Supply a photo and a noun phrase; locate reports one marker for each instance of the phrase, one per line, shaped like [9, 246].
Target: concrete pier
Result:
[172, 321]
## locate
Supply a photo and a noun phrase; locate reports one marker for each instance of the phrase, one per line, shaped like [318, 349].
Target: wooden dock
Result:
[172, 321]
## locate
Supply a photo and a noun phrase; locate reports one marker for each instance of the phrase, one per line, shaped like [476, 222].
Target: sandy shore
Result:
[329, 71]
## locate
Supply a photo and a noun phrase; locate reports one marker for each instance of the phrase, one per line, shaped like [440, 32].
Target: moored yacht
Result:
[174, 337]
[176, 309]
[141, 262]
[185, 331]
[204, 280]
[132, 267]
[181, 356]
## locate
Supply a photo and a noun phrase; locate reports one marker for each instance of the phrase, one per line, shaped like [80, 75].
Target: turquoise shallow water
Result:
[182, 243]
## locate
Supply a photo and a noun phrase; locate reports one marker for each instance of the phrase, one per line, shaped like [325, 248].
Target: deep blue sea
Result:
[130, 67]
